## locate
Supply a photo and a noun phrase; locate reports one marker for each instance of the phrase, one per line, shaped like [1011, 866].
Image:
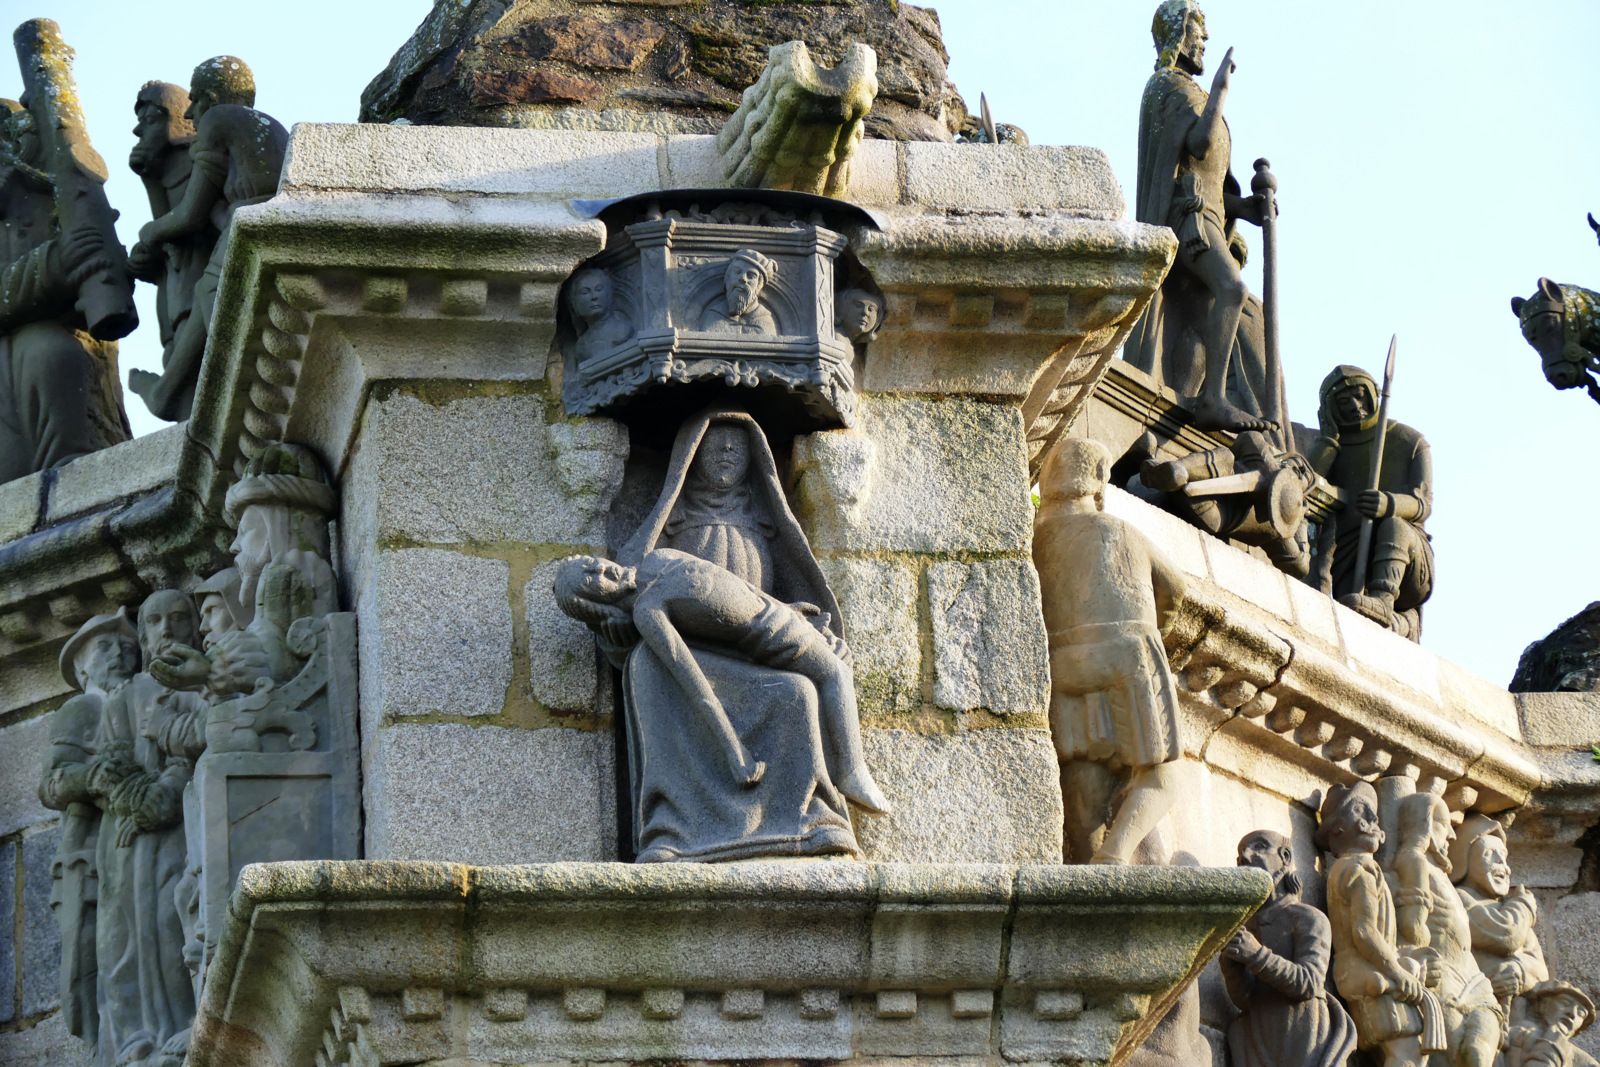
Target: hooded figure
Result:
[722, 502]
[1399, 575]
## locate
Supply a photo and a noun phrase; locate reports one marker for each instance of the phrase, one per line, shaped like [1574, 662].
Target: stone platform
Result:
[378, 964]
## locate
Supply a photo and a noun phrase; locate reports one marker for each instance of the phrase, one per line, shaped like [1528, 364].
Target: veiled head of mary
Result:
[723, 459]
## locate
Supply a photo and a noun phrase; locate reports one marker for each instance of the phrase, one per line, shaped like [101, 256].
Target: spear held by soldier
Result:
[1275, 403]
[1364, 546]
[105, 285]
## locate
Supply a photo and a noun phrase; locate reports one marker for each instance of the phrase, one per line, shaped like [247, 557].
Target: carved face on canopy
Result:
[252, 548]
[746, 275]
[167, 620]
[591, 295]
[859, 313]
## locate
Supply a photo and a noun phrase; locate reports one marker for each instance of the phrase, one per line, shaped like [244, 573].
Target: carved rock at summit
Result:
[1567, 660]
[663, 67]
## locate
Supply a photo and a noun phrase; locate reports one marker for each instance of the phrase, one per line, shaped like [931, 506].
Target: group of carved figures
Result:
[66, 284]
[1209, 339]
[1432, 948]
[194, 675]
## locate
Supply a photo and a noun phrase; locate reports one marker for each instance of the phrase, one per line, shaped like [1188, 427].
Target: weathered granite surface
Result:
[569, 963]
[658, 66]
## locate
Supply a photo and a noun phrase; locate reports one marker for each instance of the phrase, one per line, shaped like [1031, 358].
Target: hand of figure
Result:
[237, 662]
[144, 261]
[1241, 946]
[1408, 990]
[619, 633]
[160, 806]
[1225, 69]
[105, 771]
[180, 667]
[1507, 981]
[1432, 971]
[82, 253]
[1375, 503]
[128, 796]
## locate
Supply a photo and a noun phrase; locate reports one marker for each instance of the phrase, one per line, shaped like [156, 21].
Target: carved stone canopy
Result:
[699, 290]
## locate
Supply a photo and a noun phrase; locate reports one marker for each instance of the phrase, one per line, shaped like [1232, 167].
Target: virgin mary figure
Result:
[722, 502]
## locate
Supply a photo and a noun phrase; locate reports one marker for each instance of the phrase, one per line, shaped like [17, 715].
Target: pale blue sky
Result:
[1434, 159]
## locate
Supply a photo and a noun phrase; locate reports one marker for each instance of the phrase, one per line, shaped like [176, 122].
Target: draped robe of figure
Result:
[145, 990]
[1290, 1015]
[684, 804]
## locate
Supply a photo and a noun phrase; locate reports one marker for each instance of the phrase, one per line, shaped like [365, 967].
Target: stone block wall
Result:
[486, 720]
[921, 518]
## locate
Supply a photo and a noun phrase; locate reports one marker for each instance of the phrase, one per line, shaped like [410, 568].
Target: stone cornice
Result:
[1280, 663]
[743, 960]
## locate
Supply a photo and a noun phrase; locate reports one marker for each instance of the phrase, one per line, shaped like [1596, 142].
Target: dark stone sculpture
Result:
[235, 744]
[237, 156]
[798, 125]
[1187, 336]
[1276, 971]
[1568, 660]
[1562, 323]
[1108, 595]
[97, 660]
[743, 738]
[605, 328]
[161, 157]
[65, 290]
[740, 294]
[739, 309]
[663, 67]
[147, 1000]
[1399, 578]
[1252, 492]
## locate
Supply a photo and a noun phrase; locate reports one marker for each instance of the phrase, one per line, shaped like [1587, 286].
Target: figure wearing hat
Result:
[1399, 576]
[1554, 1014]
[1502, 916]
[739, 310]
[97, 660]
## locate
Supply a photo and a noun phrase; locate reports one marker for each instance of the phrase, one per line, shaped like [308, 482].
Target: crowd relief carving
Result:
[212, 730]
[742, 728]
[741, 295]
[1434, 949]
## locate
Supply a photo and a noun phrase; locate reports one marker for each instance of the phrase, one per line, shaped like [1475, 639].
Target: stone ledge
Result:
[561, 164]
[579, 962]
[1333, 691]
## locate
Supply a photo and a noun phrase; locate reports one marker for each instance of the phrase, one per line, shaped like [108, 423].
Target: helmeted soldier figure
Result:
[1399, 574]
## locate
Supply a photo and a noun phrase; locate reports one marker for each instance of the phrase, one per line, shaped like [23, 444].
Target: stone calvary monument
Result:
[593, 607]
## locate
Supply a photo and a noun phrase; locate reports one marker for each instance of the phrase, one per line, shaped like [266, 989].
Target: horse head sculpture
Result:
[1562, 323]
